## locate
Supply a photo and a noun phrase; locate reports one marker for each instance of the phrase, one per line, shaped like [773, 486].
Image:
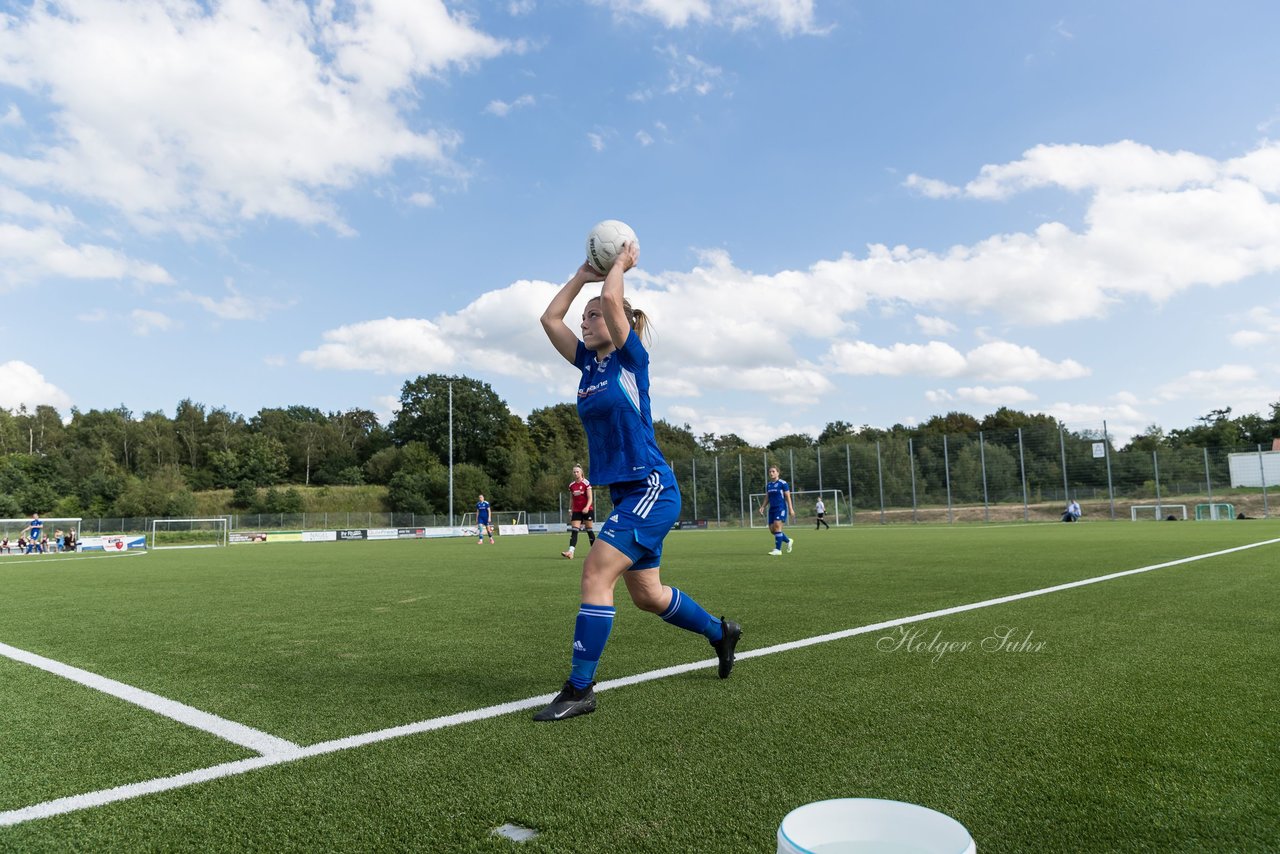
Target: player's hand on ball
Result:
[628, 256]
[587, 273]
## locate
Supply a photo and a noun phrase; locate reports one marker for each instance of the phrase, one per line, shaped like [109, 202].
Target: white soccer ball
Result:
[605, 242]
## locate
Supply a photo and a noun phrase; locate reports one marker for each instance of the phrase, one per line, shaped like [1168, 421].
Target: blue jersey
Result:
[482, 512]
[775, 490]
[613, 403]
[36, 527]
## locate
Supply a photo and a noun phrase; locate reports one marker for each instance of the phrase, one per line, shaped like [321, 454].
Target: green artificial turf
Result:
[1139, 713]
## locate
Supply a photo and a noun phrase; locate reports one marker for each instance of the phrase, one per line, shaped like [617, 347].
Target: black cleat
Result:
[726, 645]
[569, 703]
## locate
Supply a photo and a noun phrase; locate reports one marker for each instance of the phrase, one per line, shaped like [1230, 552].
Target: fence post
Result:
[911, 460]
[946, 470]
[742, 495]
[716, 460]
[1262, 475]
[1066, 488]
[1208, 483]
[819, 469]
[880, 475]
[693, 462]
[982, 459]
[791, 455]
[848, 462]
[1106, 448]
[1155, 467]
[1022, 463]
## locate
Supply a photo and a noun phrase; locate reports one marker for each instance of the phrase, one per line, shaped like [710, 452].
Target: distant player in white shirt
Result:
[820, 510]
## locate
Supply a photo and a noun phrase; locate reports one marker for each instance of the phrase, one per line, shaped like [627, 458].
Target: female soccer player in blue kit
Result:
[613, 403]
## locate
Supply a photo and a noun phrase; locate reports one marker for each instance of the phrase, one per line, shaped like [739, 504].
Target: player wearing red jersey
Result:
[581, 510]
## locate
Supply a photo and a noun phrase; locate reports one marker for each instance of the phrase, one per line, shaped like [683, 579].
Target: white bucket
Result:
[871, 826]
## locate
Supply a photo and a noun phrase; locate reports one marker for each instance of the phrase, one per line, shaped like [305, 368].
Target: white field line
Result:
[129, 791]
[240, 734]
[13, 561]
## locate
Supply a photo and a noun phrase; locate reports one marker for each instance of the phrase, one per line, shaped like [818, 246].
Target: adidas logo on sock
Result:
[578, 647]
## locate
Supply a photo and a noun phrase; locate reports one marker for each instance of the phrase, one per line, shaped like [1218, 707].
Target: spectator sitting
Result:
[22, 544]
[1072, 513]
[69, 542]
[5, 548]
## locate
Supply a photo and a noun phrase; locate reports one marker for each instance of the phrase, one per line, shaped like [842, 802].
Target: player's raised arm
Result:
[615, 315]
[564, 339]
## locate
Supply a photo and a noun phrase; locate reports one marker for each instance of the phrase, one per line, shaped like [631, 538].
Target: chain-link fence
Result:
[1027, 474]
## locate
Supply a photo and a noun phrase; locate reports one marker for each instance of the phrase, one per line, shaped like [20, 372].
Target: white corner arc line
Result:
[129, 791]
[255, 740]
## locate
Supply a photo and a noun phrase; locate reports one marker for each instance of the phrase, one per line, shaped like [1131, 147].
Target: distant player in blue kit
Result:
[483, 522]
[778, 500]
[35, 540]
[613, 403]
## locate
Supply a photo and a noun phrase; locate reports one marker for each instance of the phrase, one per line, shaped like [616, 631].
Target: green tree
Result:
[480, 418]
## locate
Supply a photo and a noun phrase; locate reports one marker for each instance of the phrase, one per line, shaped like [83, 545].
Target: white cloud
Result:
[685, 72]
[1119, 166]
[502, 108]
[389, 345]
[18, 205]
[145, 321]
[934, 327]
[1008, 395]
[1265, 323]
[1214, 382]
[596, 141]
[756, 429]
[422, 199]
[931, 187]
[1248, 338]
[234, 306]
[998, 360]
[307, 100]
[32, 254]
[644, 138]
[23, 385]
[788, 16]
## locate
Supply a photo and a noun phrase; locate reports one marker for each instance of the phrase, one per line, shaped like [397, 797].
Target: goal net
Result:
[805, 502]
[57, 534]
[190, 533]
[1157, 512]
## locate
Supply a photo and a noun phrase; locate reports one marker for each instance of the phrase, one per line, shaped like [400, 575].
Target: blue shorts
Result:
[643, 512]
[777, 515]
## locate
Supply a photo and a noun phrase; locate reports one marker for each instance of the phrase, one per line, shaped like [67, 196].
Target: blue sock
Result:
[589, 636]
[777, 541]
[688, 614]
[785, 538]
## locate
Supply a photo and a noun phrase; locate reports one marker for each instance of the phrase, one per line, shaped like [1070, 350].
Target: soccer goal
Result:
[190, 533]
[1157, 512]
[55, 529]
[805, 501]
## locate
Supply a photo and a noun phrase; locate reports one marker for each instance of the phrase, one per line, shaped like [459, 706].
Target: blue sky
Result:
[869, 212]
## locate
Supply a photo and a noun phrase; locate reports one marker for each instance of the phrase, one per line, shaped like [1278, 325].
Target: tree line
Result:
[116, 463]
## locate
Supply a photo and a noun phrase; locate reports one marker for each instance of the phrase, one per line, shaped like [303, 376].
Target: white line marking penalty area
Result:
[129, 791]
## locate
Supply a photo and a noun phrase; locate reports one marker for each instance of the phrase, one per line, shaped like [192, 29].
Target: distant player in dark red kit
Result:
[581, 510]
